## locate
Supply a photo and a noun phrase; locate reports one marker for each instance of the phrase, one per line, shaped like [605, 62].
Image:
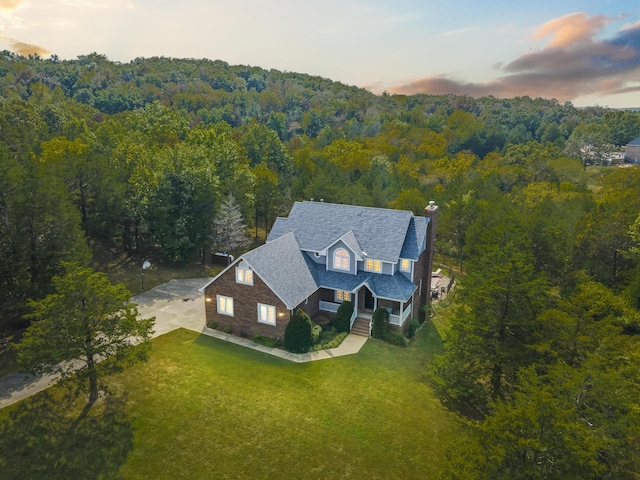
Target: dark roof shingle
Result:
[379, 232]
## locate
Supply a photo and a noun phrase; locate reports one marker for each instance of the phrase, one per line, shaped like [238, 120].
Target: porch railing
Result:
[329, 306]
[354, 315]
[399, 319]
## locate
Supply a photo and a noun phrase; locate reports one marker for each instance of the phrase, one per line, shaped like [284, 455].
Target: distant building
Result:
[633, 151]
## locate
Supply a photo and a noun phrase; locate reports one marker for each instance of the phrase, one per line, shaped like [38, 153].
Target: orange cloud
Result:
[27, 49]
[10, 4]
[572, 29]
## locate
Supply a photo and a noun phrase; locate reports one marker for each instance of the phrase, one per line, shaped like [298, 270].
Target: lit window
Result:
[405, 266]
[266, 314]
[341, 259]
[244, 276]
[225, 305]
[372, 265]
[342, 296]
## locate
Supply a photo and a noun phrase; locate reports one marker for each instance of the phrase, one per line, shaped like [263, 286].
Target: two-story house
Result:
[321, 255]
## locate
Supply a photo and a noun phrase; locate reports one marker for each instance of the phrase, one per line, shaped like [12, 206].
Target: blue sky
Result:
[587, 52]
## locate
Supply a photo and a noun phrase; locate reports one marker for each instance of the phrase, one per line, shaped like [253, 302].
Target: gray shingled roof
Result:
[281, 265]
[634, 142]
[416, 232]
[350, 240]
[393, 287]
[379, 232]
[383, 234]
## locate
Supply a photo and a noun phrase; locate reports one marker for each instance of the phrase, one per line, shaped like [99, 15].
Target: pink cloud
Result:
[572, 29]
[573, 64]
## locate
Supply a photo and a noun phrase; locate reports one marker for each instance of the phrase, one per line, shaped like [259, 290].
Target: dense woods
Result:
[542, 355]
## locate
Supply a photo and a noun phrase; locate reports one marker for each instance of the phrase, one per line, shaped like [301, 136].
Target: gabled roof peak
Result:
[317, 225]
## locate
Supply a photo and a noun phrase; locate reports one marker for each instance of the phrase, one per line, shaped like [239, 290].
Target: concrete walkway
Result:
[175, 304]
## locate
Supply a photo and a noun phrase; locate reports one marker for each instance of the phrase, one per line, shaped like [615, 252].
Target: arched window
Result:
[341, 259]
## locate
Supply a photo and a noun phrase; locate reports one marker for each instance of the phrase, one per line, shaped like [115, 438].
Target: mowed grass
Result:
[207, 409]
[201, 408]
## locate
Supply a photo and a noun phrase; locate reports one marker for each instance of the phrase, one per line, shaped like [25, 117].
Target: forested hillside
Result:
[142, 155]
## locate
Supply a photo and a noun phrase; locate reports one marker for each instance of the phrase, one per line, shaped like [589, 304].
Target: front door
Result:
[368, 299]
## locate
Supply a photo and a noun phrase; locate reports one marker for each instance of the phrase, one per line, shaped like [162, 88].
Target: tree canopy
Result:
[85, 321]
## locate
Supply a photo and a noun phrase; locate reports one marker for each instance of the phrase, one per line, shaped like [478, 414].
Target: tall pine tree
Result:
[230, 232]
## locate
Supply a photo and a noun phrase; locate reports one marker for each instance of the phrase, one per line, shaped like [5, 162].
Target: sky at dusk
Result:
[585, 51]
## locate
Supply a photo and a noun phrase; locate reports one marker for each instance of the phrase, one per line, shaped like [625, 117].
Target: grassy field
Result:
[202, 408]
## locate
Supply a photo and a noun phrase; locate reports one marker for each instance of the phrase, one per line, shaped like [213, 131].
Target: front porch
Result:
[365, 303]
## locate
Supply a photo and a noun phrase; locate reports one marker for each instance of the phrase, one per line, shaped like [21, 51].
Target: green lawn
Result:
[202, 408]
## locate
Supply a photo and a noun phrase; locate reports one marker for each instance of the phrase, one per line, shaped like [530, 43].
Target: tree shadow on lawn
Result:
[52, 436]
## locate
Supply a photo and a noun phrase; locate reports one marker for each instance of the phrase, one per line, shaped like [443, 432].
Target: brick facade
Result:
[246, 298]
[312, 306]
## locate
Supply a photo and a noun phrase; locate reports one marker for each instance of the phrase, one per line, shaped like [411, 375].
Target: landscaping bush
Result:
[316, 330]
[327, 334]
[395, 337]
[380, 323]
[412, 328]
[343, 317]
[266, 341]
[227, 330]
[337, 340]
[332, 343]
[212, 324]
[297, 335]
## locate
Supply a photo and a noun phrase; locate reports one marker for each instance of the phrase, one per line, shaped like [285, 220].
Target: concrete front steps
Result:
[361, 327]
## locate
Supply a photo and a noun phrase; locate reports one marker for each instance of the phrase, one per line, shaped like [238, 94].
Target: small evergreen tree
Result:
[229, 230]
[297, 335]
[343, 317]
[380, 323]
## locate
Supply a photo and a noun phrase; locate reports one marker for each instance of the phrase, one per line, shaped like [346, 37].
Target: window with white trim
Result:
[343, 296]
[244, 276]
[225, 305]
[341, 259]
[266, 314]
[405, 265]
[372, 265]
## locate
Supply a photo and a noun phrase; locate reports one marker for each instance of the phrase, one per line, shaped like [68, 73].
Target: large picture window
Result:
[341, 259]
[266, 314]
[225, 305]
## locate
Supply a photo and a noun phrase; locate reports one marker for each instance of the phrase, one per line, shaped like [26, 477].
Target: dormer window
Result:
[341, 259]
[244, 276]
[405, 265]
[372, 265]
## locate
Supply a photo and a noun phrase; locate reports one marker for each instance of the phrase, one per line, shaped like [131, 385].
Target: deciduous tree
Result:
[85, 321]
